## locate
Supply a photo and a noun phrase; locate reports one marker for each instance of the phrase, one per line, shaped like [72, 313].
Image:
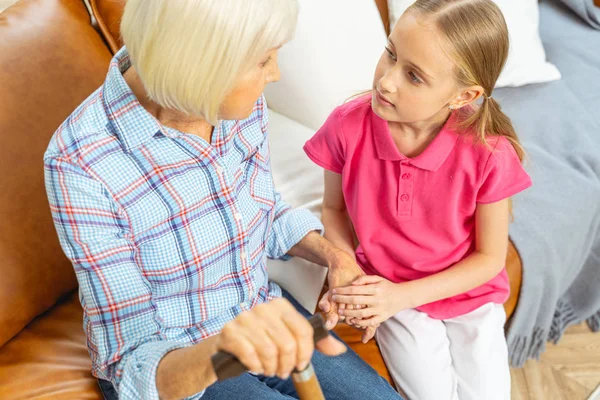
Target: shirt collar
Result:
[133, 124]
[430, 159]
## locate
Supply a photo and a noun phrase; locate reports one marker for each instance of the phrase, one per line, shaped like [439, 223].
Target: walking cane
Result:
[306, 383]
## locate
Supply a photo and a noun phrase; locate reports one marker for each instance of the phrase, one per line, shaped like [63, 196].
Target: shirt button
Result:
[244, 255]
[405, 176]
[237, 216]
[404, 197]
[220, 170]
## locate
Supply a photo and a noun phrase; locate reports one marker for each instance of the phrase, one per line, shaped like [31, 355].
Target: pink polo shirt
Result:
[415, 217]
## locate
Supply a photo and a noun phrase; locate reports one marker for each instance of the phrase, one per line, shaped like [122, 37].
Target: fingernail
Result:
[334, 298]
[341, 311]
[303, 366]
[285, 376]
[334, 291]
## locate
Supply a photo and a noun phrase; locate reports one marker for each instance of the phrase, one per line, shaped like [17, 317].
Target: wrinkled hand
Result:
[381, 297]
[342, 273]
[273, 338]
[343, 270]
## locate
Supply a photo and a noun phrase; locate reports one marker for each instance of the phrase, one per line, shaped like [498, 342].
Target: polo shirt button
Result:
[404, 197]
[405, 176]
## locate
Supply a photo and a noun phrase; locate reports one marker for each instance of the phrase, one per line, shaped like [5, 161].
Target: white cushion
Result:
[333, 56]
[526, 62]
[300, 183]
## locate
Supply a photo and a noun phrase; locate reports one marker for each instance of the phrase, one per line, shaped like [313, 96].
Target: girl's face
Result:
[415, 79]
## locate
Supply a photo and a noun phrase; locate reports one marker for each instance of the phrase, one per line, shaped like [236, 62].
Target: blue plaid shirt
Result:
[168, 234]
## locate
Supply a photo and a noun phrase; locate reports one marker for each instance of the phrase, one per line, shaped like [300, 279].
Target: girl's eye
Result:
[414, 78]
[390, 53]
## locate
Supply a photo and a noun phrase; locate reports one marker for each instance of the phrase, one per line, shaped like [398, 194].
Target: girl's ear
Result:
[467, 96]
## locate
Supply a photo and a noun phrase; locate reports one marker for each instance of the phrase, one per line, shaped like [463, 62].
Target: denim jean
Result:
[344, 377]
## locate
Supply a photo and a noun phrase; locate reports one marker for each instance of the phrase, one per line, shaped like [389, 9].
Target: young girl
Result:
[422, 169]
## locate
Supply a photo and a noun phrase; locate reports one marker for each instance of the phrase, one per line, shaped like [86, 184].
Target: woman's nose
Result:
[275, 74]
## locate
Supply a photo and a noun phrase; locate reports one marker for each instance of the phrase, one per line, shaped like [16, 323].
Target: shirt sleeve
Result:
[503, 175]
[124, 335]
[290, 226]
[327, 147]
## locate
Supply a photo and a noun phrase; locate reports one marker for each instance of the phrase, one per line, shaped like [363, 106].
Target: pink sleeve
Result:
[503, 176]
[327, 146]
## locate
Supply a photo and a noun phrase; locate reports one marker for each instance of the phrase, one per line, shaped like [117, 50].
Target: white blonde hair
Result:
[189, 53]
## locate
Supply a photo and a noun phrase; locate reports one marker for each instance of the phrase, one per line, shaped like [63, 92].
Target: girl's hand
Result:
[331, 310]
[369, 333]
[381, 297]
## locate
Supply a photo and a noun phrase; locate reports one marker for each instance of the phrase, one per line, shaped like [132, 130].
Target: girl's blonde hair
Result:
[477, 38]
[189, 53]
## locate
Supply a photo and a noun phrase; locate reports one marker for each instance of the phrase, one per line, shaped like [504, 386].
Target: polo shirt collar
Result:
[430, 159]
[133, 124]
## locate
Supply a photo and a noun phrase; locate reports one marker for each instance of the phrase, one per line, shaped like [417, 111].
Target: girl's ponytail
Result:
[489, 120]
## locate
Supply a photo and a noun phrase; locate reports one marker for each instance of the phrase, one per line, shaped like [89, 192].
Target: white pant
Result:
[463, 358]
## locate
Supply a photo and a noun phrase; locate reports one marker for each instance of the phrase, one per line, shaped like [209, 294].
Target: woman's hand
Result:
[381, 297]
[273, 339]
[343, 270]
[341, 274]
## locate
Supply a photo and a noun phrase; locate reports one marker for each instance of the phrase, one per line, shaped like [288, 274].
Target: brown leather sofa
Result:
[53, 54]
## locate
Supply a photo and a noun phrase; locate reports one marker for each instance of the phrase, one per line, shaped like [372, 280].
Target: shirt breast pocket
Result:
[260, 179]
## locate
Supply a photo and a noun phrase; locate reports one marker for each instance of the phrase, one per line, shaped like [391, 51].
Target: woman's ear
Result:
[467, 96]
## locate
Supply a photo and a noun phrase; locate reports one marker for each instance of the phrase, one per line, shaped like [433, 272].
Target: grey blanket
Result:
[557, 221]
[586, 10]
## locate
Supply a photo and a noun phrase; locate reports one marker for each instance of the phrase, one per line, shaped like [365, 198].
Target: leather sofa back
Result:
[51, 60]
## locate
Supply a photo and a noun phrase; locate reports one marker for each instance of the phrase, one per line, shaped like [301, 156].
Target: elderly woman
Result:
[162, 196]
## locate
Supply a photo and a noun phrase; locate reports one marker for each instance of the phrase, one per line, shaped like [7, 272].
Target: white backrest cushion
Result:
[332, 57]
[300, 183]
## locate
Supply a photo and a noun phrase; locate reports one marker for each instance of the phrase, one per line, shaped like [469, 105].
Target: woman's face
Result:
[414, 79]
[239, 103]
